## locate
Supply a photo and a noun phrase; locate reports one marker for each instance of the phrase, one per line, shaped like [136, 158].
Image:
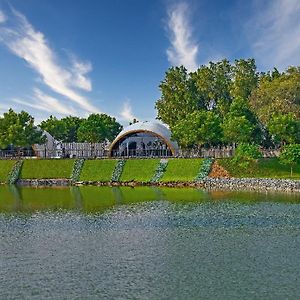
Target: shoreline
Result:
[233, 184]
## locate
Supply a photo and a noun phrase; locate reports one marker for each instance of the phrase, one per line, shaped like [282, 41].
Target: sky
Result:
[66, 57]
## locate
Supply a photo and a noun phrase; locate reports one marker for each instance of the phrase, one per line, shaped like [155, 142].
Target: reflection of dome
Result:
[144, 139]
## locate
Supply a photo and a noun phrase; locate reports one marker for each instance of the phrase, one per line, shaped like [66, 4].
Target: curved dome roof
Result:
[156, 128]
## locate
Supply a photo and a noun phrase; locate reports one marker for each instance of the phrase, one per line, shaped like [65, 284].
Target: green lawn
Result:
[46, 168]
[262, 168]
[139, 170]
[182, 169]
[98, 170]
[5, 168]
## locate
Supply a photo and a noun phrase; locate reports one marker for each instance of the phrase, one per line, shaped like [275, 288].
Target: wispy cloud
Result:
[184, 49]
[31, 45]
[44, 102]
[274, 32]
[2, 17]
[126, 114]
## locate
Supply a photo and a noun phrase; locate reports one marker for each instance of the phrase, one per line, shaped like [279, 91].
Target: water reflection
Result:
[99, 199]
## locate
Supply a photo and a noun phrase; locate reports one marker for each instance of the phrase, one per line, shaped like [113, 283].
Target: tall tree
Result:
[18, 130]
[241, 124]
[198, 128]
[55, 127]
[178, 96]
[98, 128]
[245, 78]
[280, 95]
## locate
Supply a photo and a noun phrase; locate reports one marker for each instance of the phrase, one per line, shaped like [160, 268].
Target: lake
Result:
[148, 243]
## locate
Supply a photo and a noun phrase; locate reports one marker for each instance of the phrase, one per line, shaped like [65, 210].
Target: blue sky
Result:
[65, 57]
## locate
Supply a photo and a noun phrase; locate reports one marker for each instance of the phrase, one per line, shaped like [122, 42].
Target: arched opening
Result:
[141, 143]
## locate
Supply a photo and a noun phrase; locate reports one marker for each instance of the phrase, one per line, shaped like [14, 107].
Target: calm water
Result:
[148, 243]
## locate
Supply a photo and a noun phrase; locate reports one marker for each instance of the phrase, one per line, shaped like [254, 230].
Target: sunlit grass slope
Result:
[5, 168]
[46, 168]
[139, 170]
[98, 170]
[182, 169]
[262, 168]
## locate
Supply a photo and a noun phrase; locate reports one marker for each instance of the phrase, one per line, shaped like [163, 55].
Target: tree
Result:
[178, 96]
[240, 124]
[198, 128]
[55, 127]
[290, 155]
[64, 130]
[284, 128]
[18, 130]
[245, 78]
[277, 94]
[245, 154]
[213, 84]
[98, 128]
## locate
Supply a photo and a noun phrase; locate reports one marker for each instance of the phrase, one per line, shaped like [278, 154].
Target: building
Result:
[148, 139]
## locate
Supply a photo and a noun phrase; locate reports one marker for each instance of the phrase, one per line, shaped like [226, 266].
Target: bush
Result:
[290, 155]
[246, 154]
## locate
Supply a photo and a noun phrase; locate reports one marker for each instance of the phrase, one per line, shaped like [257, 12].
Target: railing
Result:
[224, 152]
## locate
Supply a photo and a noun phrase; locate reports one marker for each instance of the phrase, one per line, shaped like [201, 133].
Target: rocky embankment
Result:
[252, 184]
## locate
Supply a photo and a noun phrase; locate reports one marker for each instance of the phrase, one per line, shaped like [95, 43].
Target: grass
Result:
[182, 169]
[98, 170]
[139, 170]
[46, 168]
[5, 168]
[262, 168]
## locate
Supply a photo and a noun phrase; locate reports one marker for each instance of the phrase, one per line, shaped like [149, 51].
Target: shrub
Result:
[246, 154]
[290, 155]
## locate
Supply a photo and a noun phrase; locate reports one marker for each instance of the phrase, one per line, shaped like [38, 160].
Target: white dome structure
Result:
[144, 139]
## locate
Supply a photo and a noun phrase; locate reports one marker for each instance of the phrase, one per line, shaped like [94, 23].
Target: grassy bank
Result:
[46, 168]
[139, 170]
[182, 169]
[262, 168]
[98, 170]
[5, 168]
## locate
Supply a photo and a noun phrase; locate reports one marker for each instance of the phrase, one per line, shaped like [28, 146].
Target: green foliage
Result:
[159, 172]
[182, 170]
[245, 78]
[98, 128]
[245, 154]
[139, 170]
[204, 169]
[116, 175]
[5, 169]
[284, 128]
[15, 172]
[78, 164]
[279, 94]
[261, 168]
[178, 96]
[98, 170]
[18, 129]
[198, 128]
[47, 169]
[64, 130]
[290, 155]
[240, 124]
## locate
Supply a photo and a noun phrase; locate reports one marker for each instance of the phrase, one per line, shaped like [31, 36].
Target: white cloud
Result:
[126, 113]
[2, 17]
[31, 45]
[274, 32]
[183, 50]
[44, 102]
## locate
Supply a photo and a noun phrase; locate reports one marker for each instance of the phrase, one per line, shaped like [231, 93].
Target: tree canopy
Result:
[18, 130]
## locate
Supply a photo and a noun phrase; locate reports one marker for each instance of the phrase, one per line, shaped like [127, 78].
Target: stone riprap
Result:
[254, 184]
[235, 184]
[44, 182]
